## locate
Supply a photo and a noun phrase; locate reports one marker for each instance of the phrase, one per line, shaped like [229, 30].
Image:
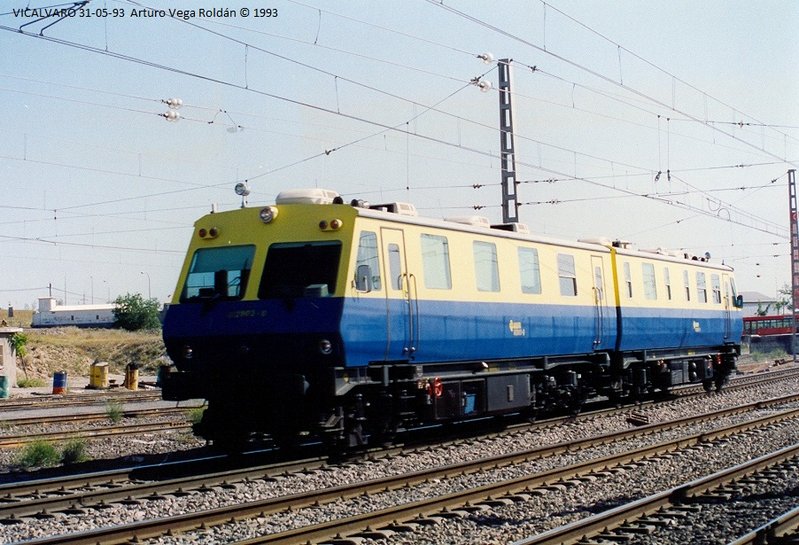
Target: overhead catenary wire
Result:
[599, 75]
[414, 135]
[395, 128]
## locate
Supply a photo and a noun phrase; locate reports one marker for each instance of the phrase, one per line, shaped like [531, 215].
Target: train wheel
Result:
[707, 385]
[721, 379]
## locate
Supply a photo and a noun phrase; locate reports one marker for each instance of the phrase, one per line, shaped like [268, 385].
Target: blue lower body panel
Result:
[455, 331]
[647, 328]
[439, 331]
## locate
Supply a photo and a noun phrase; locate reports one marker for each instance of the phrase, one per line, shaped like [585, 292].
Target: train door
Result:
[727, 302]
[600, 300]
[401, 307]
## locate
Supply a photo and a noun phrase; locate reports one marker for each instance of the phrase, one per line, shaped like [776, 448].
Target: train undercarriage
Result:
[373, 404]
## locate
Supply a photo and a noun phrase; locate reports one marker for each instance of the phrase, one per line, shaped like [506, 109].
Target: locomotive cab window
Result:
[367, 265]
[218, 273]
[300, 269]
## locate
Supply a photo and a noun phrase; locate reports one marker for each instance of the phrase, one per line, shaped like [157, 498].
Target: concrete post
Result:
[8, 356]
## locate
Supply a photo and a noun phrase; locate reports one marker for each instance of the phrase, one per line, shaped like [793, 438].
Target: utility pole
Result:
[794, 223]
[510, 204]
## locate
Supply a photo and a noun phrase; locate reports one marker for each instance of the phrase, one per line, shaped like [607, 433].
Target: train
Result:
[351, 321]
[768, 325]
[770, 333]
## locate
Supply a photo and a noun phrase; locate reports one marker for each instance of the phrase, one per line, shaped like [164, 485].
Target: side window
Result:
[567, 275]
[395, 266]
[667, 282]
[715, 285]
[650, 285]
[687, 283]
[529, 270]
[628, 280]
[701, 287]
[367, 265]
[486, 268]
[435, 261]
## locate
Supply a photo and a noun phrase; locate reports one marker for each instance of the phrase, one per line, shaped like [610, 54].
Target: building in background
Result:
[756, 303]
[51, 314]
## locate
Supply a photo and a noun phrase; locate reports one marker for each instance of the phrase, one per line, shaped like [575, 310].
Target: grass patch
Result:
[770, 355]
[114, 411]
[39, 454]
[31, 383]
[195, 415]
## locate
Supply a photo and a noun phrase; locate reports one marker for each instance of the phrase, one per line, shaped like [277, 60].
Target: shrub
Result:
[133, 312]
[74, 452]
[38, 454]
[19, 341]
[196, 414]
[114, 411]
[30, 383]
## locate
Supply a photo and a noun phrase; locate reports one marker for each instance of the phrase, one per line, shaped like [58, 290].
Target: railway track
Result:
[14, 497]
[638, 516]
[463, 501]
[15, 440]
[783, 529]
[75, 400]
[92, 417]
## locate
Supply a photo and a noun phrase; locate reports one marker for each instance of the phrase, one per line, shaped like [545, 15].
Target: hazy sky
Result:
[374, 100]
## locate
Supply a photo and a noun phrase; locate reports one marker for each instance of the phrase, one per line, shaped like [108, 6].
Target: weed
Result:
[768, 355]
[195, 415]
[38, 454]
[114, 411]
[74, 452]
[30, 383]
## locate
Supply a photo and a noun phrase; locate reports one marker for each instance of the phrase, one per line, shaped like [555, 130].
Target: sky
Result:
[670, 124]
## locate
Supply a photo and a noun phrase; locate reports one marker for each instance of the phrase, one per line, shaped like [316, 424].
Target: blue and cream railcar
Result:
[672, 307]
[314, 315]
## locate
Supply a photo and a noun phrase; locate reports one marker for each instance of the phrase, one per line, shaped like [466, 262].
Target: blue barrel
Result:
[3, 387]
[59, 382]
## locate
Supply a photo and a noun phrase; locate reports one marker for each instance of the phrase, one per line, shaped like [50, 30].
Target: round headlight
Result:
[268, 214]
[325, 347]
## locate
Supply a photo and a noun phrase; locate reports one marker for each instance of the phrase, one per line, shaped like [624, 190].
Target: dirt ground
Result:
[74, 350]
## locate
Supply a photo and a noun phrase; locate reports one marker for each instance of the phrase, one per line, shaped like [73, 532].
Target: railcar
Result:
[350, 321]
[767, 325]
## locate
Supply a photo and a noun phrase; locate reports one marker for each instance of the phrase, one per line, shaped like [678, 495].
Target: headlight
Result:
[268, 214]
[325, 347]
[188, 352]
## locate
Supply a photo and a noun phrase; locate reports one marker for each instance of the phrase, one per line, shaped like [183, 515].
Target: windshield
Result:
[300, 269]
[218, 273]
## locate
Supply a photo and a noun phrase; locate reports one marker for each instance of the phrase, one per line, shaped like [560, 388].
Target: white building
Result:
[755, 302]
[51, 314]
